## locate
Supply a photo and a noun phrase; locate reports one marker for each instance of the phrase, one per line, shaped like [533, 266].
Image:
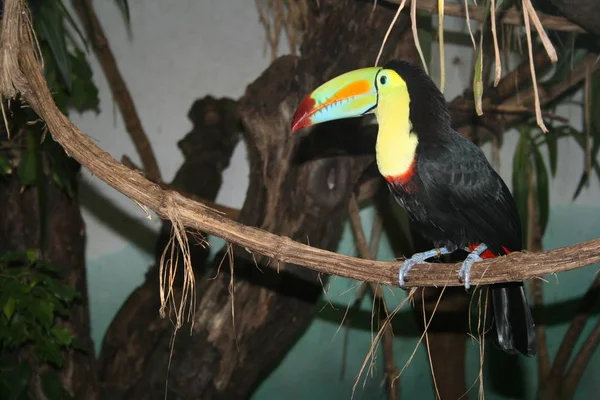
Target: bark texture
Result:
[64, 247]
[585, 13]
[300, 188]
[138, 340]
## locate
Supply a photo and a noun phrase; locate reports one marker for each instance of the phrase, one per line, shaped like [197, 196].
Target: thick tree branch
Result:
[118, 87]
[21, 73]
[511, 16]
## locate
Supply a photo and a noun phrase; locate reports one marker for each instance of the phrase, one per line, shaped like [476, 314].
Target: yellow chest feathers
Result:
[396, 143]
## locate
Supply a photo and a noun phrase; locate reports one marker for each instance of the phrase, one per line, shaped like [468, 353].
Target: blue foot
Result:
[419, 258]
[465, 270]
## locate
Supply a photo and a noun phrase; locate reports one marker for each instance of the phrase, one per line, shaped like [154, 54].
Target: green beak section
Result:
[352, 94]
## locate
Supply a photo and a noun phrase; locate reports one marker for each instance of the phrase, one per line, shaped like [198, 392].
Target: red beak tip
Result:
[298, 122]
[301, 116]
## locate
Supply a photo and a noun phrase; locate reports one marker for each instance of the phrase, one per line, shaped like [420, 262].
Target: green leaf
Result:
[563, 67]
[43, 312]
[64, 168]
[580, 138]
[84, 96]
[48, 24]
[9, 308]
[27, 169]
[583, 179]
[61, 335]
[53, 388]
[80, 345]
[12, 256]
[33, 173]
[551, 140]
[425, 34]
[49, 351]
[520, 177]
[543, 193]
[62, 292]
[31, 255]
[72, 23]
[478, 73]
[124, 7]
[5, 165]
[594, 115]
[14, 380]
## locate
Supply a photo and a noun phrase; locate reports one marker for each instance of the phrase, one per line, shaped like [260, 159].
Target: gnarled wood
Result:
[135, 351]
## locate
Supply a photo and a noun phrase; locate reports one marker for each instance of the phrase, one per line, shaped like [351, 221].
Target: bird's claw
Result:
[464, 274]
[406, 266]
[419, 258]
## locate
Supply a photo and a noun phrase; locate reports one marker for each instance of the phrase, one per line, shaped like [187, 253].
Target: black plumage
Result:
[454, 198]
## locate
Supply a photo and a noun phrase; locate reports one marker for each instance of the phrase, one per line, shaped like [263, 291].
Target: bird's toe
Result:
[464, 274]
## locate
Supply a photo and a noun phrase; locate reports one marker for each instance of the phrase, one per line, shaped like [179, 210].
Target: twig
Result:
[508, 86]
[510, 109]
[26, 78]
[534, 243]
[538, 107]
[388, 334]
[353, 310]
[511, 16]
[537, 290]
[119, 89]
[548, 94]
[588, 302]
[442, 48]
[581, 361]
[232, 213]
[525, 98]
[415, 32]
[497, 61]
[389, 30]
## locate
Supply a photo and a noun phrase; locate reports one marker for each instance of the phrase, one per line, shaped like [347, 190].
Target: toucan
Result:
[452, 195]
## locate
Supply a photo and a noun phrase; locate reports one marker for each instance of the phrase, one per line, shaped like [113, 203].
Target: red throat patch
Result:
[405, 178]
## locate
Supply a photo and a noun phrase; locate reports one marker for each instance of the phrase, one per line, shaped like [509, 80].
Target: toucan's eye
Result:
[383, 79]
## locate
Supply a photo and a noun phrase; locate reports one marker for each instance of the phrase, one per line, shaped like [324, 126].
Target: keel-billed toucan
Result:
[452, 195]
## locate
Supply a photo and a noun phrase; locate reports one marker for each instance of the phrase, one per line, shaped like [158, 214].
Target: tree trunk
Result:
[136, 349]
[299, 188]
[65, 246]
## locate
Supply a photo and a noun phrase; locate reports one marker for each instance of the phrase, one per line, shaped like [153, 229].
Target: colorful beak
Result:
[352, 94]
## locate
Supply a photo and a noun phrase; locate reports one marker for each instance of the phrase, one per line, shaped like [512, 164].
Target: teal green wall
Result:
[313, 368]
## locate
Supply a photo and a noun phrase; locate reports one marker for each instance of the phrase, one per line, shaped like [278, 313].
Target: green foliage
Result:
[14, 379]
[69, 78]
[478, 72]
[48, 23]
[32, 298]
[529, 166]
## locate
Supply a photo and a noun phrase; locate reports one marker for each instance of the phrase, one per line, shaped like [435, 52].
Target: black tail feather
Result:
[514, 326]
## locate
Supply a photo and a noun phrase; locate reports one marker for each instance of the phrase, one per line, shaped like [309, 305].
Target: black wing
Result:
[459, 179]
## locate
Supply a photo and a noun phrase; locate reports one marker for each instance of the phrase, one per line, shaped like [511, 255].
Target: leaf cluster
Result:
[530, 166]
[69, 77]
[32, 302]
